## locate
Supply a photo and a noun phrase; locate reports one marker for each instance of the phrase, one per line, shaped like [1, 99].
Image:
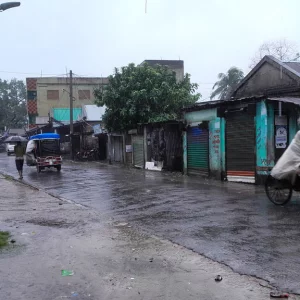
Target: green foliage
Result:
[4, 235]
[12, 104]
[142, 94]
[227, 83]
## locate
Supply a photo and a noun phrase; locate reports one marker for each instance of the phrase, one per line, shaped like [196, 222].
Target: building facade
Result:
[176, 66]
[46, 94]
[241, 139]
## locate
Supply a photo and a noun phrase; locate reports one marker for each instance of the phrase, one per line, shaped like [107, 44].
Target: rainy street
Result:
[233, 224]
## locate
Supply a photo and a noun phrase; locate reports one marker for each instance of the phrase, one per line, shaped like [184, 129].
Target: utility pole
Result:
[71, 115]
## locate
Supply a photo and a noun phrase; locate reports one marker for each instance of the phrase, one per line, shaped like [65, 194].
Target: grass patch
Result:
[8, 177]
[4, 236]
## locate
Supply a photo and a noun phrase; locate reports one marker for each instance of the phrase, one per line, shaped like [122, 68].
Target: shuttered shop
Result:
[197, 151]
[240, 147]
[138, 151]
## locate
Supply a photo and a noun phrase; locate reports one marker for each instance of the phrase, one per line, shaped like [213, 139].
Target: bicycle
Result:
[280, 192]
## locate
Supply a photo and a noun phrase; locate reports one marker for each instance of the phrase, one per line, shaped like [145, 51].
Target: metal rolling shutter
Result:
[240, 147]
[197, 151]
[138, 151]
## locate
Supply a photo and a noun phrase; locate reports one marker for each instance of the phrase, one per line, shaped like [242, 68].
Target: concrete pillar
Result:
[145, 146]
[184, 143]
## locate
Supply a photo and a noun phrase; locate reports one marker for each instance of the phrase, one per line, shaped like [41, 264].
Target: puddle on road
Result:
[51, 223]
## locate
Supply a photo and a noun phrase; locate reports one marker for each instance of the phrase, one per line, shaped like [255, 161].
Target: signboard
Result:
[281, 137]
[128, 148]
[97, 129]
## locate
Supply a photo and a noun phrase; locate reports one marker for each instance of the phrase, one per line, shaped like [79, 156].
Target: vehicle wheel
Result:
[58, 168]
[278, 191]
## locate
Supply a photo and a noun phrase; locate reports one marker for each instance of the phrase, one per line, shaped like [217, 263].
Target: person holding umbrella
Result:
[19, 152]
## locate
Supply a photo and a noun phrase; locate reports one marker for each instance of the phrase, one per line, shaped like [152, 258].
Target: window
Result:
[53, 94]
[84, 94]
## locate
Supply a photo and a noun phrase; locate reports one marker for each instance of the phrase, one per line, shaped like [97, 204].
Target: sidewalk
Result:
[109, 260]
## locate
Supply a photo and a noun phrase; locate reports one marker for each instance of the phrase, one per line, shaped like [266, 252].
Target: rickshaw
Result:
[43, 151]
[285, 176]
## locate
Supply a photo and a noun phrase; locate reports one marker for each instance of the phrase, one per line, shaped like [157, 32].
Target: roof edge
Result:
[270, 59]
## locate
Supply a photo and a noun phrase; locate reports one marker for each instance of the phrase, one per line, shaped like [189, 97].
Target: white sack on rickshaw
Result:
[30, 159]
[30, 146]
[288, 165]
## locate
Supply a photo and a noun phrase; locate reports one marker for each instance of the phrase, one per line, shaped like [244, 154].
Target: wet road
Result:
[231, 223]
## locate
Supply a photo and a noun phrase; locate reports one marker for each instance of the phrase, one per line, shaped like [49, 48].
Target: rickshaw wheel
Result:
[279, 192]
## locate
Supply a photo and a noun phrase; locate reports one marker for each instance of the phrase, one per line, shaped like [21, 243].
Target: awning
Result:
[293, 100]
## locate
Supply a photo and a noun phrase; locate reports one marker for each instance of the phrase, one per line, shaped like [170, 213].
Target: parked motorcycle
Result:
[87, 155]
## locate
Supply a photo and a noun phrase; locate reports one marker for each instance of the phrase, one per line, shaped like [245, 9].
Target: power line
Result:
[27, 73]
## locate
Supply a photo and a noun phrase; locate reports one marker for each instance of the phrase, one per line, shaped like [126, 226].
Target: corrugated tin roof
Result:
[293, 100]
[217, 103]
[63, 114]
[294, 65]
[272, 60]
[16, 131]
[93, 112]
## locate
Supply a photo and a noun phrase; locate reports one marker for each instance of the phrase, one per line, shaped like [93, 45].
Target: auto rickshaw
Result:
[43, 151]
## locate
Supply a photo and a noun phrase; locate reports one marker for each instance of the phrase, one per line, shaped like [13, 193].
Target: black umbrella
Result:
[15, 138]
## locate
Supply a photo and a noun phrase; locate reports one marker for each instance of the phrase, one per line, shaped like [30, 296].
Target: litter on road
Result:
[121, 224]
[278, 295]
[67, 273]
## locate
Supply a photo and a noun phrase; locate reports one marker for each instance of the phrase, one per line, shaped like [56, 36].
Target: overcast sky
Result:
[92, 37]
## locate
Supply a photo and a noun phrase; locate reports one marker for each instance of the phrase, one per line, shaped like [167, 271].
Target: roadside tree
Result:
[13, 112]
[142, 94]
[283, 50]
[226, 83]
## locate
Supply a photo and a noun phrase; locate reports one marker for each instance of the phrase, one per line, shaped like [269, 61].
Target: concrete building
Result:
[240, 139]
[176, 66]
[46, 94]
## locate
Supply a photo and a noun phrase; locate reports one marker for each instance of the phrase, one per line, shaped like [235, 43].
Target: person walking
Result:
[20, 152]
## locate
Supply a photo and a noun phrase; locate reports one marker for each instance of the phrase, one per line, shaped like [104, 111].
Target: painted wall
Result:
[265, 137]
[195, 117]
[43, 84]
[261, 120]
[215, 147]
[271, 135]
[223, 148]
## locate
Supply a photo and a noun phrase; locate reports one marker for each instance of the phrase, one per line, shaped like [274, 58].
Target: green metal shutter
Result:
[138, 151]
[198, 151]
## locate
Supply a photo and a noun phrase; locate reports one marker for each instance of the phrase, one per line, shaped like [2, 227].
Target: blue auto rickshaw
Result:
[43, 151]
